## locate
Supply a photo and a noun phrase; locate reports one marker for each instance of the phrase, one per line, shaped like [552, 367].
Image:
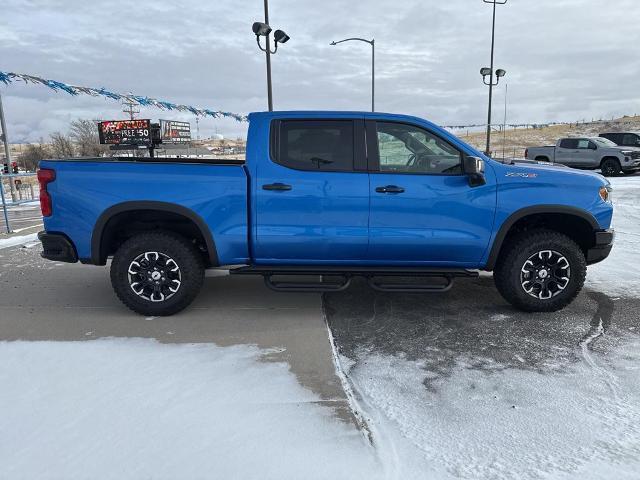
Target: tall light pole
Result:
[491, 84]
[264, 30]
[373, 66]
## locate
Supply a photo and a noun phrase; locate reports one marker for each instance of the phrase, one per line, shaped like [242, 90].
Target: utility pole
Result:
[7, 154]
[128, 108]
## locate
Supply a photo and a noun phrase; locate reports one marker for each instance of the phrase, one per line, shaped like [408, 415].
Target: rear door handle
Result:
[279, 187]
[390, 189]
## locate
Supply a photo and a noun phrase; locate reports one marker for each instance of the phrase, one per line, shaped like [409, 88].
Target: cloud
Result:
[566, 59]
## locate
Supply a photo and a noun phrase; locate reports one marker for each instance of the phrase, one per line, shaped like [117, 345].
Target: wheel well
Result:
[579, 229]
[609, 158]
[542, 158]
[124, 225]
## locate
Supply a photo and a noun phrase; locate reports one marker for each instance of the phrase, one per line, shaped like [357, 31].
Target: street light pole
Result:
[371, 42]
[279, 37]
[491, 84]
[267, 51]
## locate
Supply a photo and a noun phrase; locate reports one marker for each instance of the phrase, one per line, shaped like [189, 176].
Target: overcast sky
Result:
[566, 59]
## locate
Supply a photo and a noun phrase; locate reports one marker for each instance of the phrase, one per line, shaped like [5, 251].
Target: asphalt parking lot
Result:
[23, 219]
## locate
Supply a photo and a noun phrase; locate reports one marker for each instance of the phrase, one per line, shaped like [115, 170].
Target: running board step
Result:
[379, 278]
[402, 287]
[352, 271]
[319, 286]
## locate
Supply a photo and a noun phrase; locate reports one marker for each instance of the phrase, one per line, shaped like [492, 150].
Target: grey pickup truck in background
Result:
[590, 154]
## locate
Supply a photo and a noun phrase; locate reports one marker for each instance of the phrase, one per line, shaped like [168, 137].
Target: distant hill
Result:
[516, 140]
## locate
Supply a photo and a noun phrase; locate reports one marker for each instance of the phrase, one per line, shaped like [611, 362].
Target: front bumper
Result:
[58, 247]
[602, 247]
[632, 166]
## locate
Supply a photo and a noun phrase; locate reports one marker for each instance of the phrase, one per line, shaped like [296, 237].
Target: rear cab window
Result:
[314, 145]
[571, 143]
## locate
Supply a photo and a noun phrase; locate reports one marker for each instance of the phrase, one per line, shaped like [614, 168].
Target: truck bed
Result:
[87, 191]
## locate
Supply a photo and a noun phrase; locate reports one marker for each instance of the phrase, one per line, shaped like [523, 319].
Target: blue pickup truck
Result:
[324, 197]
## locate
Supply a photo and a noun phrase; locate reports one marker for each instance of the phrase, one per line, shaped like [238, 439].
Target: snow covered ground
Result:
[620, 273]
[19, 240]
[580, 423]
[134, 409]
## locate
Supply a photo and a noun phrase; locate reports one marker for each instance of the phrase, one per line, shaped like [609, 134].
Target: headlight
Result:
[606, 192]
[626, 152]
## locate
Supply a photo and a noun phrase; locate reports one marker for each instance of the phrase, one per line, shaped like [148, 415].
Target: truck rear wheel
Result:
[540, 271]
[157, 273]
[610, 167]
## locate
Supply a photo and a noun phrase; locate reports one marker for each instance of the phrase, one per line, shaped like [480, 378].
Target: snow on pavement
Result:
[18, 240]
[503, 423]
[119, 409]
[619, 274]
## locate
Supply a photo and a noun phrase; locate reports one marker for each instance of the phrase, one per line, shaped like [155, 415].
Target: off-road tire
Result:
[610, 167]
[513, 255]
[176, 247]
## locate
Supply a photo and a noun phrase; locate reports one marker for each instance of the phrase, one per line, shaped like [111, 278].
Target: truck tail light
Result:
[526, 153]
[45, 177]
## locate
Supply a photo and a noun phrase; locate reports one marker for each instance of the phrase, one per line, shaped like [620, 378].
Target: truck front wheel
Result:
[610, 167]
[157, 273]
[540, 271]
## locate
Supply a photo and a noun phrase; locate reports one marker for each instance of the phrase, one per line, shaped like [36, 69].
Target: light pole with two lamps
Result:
[488, 72]
[261, 29]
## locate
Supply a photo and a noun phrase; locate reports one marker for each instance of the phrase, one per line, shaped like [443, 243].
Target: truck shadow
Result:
[473, 323]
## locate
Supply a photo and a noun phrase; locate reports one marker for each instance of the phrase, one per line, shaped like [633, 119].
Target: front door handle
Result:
[390, 189]
[278, 187]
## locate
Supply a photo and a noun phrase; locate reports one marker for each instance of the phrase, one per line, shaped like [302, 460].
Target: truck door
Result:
[423, 210]
[312, 193]
[587, 153]
[567, 152]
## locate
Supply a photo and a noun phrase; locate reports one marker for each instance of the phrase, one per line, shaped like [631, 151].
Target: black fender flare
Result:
[533, 210]
[97, 257]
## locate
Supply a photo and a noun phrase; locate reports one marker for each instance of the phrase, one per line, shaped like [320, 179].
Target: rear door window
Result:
[326, 145]
[571, 143]
[630, 139]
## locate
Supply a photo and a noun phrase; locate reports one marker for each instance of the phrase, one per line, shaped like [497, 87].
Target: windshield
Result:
[604, 141]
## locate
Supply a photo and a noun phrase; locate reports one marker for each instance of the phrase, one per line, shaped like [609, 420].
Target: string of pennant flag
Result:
[10, 77]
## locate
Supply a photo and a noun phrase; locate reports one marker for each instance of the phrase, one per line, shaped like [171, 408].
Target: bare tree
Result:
[33, 154]
[84, 134]
[61, 145]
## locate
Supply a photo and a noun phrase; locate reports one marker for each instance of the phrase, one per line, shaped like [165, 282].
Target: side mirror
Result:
[474, 168]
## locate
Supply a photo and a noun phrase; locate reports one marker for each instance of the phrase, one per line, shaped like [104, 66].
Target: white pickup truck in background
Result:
[589, 153]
